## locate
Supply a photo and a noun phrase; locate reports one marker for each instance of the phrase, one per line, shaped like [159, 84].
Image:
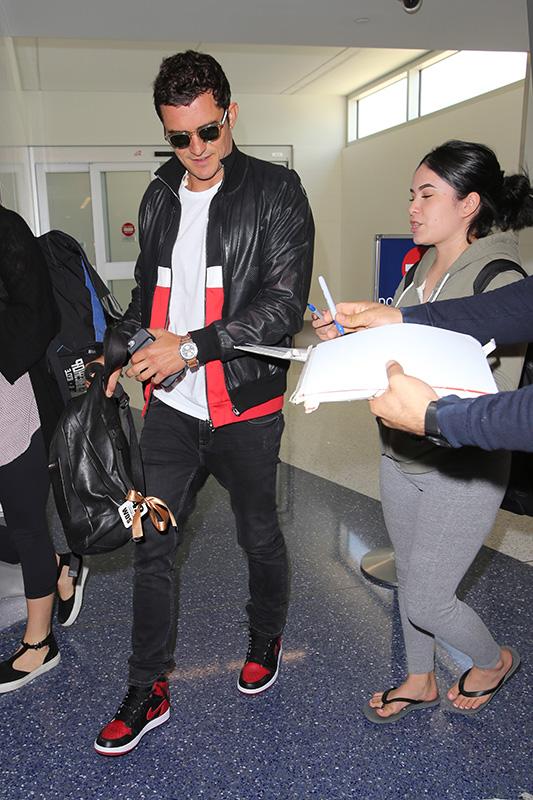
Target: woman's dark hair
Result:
[185, 76]
[506, 201]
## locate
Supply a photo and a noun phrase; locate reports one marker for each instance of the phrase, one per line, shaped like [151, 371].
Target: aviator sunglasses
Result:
[179, 140]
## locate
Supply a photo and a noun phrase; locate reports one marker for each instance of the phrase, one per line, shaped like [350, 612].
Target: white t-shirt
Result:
[187, 297]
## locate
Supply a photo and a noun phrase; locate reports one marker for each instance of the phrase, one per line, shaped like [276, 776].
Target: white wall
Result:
[12, 130]
[377, 172]
[314, 126]
[526, 155]
[14, 174]
[355, 191]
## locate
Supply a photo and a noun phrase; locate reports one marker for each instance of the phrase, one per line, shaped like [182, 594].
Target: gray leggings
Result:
[437, 522]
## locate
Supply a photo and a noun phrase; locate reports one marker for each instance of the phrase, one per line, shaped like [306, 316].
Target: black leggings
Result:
[24, 486]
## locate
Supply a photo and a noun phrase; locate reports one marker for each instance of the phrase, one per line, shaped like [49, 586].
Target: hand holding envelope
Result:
[355, 366]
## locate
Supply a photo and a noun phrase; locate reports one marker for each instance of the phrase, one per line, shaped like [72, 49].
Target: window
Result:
[428, 85]
[382, 109]
[467, 74]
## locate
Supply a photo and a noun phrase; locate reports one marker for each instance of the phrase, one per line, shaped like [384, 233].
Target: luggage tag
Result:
[127, 510]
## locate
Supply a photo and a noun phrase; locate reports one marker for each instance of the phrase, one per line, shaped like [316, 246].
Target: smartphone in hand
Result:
[142, 338]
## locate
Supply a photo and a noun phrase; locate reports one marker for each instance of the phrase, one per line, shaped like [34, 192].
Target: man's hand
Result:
[157, 360]
[365, 314]
[403, 405]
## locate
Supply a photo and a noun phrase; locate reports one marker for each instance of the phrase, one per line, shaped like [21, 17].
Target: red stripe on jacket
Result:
[218, 400]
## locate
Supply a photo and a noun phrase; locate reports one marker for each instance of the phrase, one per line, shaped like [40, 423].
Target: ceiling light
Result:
[411, 6]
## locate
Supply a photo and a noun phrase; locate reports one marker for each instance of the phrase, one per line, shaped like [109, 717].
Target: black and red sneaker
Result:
[261, 666]
[143, 708]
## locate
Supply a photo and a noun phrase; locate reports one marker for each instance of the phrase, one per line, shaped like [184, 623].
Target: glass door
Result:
[16, 182]
[65, 203]
[116, 191]
[8, 188]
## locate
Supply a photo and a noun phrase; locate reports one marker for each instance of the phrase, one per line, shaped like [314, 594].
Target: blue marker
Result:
[330, 303]
[314, 310]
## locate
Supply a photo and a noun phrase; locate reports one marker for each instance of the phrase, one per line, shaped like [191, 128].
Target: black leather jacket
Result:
[261, 231]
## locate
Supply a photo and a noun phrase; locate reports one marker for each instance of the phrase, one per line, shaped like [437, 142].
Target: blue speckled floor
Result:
[306, 737]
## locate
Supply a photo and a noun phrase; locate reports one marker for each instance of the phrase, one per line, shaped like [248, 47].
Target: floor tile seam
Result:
[375, 500]
[328, 480]
[509, 555]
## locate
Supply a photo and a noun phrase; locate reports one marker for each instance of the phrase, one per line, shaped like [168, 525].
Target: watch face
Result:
[188, 351]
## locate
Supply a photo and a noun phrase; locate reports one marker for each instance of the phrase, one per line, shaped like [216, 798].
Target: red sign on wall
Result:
[128, 229]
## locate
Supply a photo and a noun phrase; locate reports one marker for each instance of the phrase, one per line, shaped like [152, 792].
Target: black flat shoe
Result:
[11, 678]
[68, 610]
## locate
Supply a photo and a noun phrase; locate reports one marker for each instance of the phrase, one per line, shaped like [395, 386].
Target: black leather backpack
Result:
[86, 308]
[96, 468]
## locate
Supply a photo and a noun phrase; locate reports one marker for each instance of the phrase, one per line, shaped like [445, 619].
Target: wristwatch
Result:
[431, 426]
[189, 352]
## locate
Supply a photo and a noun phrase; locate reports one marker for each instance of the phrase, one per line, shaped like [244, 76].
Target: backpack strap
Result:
[128, 427]
[410, 276]
[485, 276]
[483, 279]
[115, 356]
[493, 268]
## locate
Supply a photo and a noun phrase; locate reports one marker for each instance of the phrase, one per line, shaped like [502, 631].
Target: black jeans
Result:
[179, 452]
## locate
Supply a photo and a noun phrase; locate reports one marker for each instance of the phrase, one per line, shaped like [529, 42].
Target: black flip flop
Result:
[414, 705]
[469, 712]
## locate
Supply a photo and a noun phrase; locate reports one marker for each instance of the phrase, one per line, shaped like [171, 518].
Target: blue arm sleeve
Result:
[500, 421]
[505, 314]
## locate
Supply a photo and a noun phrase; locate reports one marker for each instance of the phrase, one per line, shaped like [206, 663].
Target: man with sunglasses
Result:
[226, 257]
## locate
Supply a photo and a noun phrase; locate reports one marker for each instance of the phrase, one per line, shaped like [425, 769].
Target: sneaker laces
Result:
[261, 649]
[134, 700]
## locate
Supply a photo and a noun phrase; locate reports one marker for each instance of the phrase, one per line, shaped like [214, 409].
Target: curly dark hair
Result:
[185, 76]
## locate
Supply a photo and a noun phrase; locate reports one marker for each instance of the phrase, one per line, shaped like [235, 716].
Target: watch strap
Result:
[191, 363]
[431, 426]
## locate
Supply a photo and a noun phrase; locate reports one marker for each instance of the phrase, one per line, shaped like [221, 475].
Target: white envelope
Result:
[353, 367]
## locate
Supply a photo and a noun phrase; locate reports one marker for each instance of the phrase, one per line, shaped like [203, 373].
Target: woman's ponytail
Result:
[515, 209]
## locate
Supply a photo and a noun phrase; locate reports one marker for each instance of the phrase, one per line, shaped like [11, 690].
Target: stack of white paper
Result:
[354, 366]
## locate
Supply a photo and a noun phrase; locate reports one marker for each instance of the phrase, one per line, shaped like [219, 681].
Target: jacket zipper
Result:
[233, 408]
[167, 320]
[209, 420]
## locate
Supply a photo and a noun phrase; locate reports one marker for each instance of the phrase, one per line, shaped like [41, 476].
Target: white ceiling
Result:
[439, 25]
[272, 47]
[97, 65]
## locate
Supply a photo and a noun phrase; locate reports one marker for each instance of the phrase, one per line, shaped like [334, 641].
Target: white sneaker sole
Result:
[10, 687]
[272, 680]
[78, 598]
[120, 751]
